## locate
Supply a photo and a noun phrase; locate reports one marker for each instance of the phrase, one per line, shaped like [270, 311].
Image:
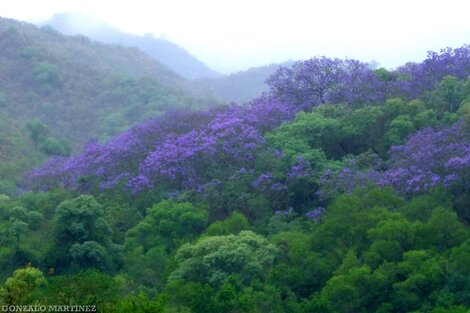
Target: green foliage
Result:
[213, 259]
[357, 289]
[223, 249]
[449, 95]
[45, 77]
[89, 287]
[233, 224]
[81, 236]
[308, 132]
[138, 304]
[168, 223]
[20, 286]
[300, 269]
[38, 132]
[52, 146]
[385, 75]
[400, 127]
[73, 86]
[21, 221]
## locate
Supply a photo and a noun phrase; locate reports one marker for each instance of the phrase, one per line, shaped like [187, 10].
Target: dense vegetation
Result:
[343, 189]
[57, 92]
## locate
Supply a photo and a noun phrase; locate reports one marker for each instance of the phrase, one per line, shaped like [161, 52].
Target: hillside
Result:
[242, 86]
[164, 51]
[342, 189]
[78, 89]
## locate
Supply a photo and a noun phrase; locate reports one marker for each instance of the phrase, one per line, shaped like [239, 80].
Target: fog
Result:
[234, 35]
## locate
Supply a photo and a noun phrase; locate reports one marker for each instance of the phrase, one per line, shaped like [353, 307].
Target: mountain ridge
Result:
[175, 57]
[241, 86]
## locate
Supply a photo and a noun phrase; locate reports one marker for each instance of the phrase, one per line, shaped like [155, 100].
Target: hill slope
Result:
[164, 51]
[78, 89]
[242, 86]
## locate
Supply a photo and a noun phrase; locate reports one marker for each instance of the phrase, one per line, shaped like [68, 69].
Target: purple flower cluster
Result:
[284, 212]
[315, 214]
[419, 77]
[301, 169]
[182, 150]
[429, 158]
[321, 79]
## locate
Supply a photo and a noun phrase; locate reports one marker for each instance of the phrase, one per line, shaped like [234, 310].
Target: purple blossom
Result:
[180, 150]
[263, 180]
[278, 187]
[284, 212]
[300, 169]
[315, 214]
[429, 158]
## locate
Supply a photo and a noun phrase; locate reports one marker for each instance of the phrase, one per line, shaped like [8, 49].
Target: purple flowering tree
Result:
[180, 150]
[430, 158]
[416, 78]
[321, 79]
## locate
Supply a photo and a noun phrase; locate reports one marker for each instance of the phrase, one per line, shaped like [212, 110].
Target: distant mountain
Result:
[242, 86]
[61, 91]
[164, 51]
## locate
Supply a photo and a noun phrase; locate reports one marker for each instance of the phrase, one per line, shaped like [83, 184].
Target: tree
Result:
[87, 287]
[299, 268]
[38, 132]
[52, 146]
[22, 221]
[321, 79]
[167, 224]
[81, 235]
[22, 283]
[213, 259]
[233, 224]
[359, 288]
[18, 228]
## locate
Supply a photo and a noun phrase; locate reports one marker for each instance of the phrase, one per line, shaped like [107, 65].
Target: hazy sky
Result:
[234, 35]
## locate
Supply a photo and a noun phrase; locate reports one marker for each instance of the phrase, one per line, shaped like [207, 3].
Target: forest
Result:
[342, 189]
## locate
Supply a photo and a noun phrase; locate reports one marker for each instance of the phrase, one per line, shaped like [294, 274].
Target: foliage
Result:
[215, 258]
[81, 236]
[285, 204]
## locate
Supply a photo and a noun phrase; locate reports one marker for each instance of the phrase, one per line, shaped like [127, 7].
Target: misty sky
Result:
[234, 35]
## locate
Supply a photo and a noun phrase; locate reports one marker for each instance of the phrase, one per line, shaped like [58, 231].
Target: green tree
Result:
[38, 132]
[21, 222]
[138, 304]
[233, 224]
[88, 287]
[358, 289]
[45, 77]
[81, 235]
[18, 228]
[423, 274]
[448, 95]
[299, 268]
[167, 223]
[399, 128]
[20, 286]
[52, 146]
[213, 259]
